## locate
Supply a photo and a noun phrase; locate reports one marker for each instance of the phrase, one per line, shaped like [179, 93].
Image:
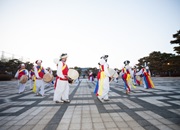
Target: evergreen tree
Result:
[176, 41]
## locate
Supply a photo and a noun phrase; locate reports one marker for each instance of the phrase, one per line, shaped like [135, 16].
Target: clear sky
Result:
[88, 29]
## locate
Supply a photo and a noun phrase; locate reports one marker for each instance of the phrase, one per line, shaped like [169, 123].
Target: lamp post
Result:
[169, 71]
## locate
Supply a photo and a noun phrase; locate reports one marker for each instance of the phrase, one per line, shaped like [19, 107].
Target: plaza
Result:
[142, 109]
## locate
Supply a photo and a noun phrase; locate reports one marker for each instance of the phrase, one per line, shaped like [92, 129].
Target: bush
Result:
[5, 77]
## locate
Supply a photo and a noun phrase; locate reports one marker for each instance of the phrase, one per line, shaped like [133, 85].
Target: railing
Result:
[6, 56]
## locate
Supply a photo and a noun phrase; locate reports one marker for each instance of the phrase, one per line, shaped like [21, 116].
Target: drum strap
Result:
[40, 69]
[21, 70]
[64, 66]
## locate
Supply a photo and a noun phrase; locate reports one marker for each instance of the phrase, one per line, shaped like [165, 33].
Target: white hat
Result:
[63, 55]
[22, 64]
[147, 67]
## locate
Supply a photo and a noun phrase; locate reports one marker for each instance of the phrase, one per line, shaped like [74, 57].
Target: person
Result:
[91, 77]
[49, 84]
[126, 75]
[136, 80]
[61, 92]
[39, 72]
[103, 78]
[31, 78]
[116, 79]
[146, 76]
[21, 71]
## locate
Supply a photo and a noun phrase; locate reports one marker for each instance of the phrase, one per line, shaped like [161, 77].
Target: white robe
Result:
[39, 82]
[62, 86]
[106, 88]
[21, 87]
[142, 73]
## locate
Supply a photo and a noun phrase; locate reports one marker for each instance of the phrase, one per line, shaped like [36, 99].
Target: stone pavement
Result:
[143, 109]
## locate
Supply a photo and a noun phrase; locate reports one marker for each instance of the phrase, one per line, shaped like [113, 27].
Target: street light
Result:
[169, 71]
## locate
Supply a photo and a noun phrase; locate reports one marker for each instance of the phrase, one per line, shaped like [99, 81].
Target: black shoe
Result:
[67, 101]
[59, 101]
[106, 99]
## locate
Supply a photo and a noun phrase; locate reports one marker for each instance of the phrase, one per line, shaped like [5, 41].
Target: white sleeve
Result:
[106, 70]
[121, 73]
[140, 72]
[45, 71]
[36, 72]
[16, 75]
[27, 73]
[131, 72]
[149, 72]
[59, 70]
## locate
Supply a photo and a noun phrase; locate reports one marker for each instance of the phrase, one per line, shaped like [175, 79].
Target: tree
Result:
[176, 41]
[12, 66]
[163, 64]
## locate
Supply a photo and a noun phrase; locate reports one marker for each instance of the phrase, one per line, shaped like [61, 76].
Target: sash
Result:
[63, 67]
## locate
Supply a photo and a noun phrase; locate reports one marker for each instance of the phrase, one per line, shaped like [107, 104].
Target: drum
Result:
[23, 79]
[113, 73]
[73, 74]
[48, 77]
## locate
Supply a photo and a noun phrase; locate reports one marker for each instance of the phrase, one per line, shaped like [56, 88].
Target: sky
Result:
[88, 29]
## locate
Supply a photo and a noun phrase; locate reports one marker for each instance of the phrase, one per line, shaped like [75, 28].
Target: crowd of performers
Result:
[131, 77]
[35, 76]
[37, 84]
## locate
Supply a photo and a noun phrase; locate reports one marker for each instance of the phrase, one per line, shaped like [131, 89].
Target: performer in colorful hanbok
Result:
[146, 76]
[39, 73]
[31, 78]
[116, 79]
[61, 92]
[126, 75]
[91, 77]
[103, 77]
[136, 79]
[21, 72]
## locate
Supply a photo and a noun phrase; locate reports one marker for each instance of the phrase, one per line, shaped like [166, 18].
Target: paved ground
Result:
[143, 109]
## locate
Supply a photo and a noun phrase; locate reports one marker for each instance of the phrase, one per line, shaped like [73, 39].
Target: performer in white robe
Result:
[39, 73]
[146, 76]
[126, 75]
[104, 78]
[22, 71]
[61, 92]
